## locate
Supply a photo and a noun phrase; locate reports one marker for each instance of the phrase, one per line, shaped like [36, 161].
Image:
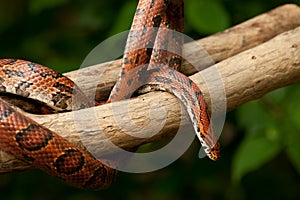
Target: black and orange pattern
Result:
[152, 57]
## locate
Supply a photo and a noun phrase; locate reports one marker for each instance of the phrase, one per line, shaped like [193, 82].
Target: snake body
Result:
[152, 56]
[37, 145]
[155, 58]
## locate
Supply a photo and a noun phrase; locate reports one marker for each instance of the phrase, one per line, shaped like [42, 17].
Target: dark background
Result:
[261, 139]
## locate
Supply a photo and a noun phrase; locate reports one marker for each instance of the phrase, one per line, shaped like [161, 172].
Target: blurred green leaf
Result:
[292, 139]
[254, 117]
[292, 132]
[293, 151]
[277, 96]
[37, 6]
[291, 105]
[124, 18]
[252, 153]
[207, 16]
[265, 122]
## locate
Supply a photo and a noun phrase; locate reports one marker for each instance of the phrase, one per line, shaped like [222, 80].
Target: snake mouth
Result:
[214, 153]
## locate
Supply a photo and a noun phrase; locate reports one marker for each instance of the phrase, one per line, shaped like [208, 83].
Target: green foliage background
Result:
[260, 141]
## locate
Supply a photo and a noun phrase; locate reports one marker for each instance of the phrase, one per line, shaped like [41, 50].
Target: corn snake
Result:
[44, 149]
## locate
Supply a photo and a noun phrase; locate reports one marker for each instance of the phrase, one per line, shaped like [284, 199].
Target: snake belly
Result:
[31, 142]
[151, 59]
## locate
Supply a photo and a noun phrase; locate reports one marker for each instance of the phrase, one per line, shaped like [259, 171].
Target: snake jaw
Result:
[214, 153]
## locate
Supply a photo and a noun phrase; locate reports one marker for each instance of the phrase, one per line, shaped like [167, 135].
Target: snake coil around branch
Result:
[269, 64]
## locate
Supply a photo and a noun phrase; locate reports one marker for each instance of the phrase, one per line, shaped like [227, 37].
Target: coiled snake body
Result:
[152, 53]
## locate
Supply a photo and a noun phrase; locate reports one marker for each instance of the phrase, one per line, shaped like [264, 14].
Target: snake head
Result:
[214, 153]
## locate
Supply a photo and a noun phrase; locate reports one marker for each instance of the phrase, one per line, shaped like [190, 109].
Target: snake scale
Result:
[151, 56]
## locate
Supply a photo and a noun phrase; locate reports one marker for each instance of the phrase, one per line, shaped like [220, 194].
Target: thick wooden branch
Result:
[219, 46]
[246, 76]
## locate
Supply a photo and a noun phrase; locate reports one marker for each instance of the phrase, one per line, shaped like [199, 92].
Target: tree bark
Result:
[246, 75]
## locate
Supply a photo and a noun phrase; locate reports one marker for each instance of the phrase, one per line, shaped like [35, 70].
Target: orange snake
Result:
[149, 62]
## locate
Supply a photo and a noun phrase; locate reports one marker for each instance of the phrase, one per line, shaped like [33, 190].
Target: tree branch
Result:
[246, 76]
